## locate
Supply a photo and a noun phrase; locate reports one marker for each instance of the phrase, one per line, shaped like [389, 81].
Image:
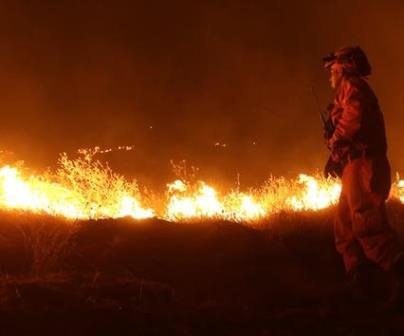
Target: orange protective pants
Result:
[361, 227]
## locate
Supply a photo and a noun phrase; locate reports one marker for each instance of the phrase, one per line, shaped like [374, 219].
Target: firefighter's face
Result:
[336, 73]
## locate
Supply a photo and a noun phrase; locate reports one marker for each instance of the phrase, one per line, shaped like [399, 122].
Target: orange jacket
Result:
[358, 120]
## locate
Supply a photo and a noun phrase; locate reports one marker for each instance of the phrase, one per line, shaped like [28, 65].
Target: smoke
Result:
[225, 86]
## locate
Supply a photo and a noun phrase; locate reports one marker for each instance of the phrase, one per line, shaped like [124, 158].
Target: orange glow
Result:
[80, 189]
[400, 185]
[87, 189]
[316, 194]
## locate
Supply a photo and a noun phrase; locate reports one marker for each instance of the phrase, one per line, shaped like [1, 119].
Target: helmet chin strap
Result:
[337, 75]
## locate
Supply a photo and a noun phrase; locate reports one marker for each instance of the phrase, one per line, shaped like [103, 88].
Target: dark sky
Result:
[84, 73]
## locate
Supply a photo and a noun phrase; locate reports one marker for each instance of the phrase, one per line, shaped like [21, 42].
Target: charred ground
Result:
[154, 277]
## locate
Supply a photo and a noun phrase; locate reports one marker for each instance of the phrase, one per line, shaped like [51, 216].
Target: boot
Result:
[356, 285]
[395, 301]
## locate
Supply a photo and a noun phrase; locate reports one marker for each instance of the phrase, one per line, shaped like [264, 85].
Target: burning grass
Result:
[66, 251]
[86, 188]
[83, 188]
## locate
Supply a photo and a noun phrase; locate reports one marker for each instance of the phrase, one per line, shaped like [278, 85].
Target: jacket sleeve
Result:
[350, 121]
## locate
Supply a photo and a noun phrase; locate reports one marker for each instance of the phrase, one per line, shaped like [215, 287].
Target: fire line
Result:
[85, 188]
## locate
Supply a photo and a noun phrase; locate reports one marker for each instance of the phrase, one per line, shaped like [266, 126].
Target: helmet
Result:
[352, 59]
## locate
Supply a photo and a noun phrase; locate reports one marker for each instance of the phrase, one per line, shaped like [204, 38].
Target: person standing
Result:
[359, 148]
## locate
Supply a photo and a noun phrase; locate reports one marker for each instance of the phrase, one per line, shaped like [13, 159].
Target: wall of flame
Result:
[87, 189]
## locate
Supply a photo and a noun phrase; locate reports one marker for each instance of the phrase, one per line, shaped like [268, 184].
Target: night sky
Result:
[174, 78]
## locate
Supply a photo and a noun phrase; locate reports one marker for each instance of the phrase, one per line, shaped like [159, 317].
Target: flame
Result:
[87, 189]
[131, 207]
[81, 189]
[35, 195]
[400, 185]
[203, 203]
[242, 207]
[316, 195]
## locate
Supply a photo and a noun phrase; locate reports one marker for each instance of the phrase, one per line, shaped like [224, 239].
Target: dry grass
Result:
[48, 240]
[207, 277]
[47, 244]
[37, 243]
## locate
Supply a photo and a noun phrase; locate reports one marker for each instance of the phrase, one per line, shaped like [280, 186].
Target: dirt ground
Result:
[151, 277]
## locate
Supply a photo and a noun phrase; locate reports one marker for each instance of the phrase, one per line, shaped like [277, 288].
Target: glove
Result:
[328, 130]
[333, 168]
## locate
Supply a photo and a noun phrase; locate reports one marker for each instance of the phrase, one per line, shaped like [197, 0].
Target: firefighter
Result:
[358, 146]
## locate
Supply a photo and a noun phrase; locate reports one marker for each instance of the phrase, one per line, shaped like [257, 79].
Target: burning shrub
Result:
[100, 192]
[82, 188]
